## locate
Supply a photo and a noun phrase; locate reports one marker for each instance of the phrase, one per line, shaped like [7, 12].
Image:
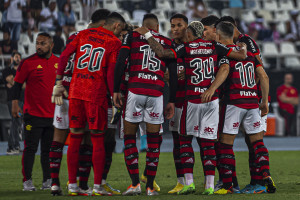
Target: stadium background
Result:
[264, 20]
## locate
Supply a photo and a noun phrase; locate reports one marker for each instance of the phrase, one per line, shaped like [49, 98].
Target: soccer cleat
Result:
[256, 189]
[83, 192]
[236, 190]
[176, 189]
[100, 191]
[155, 186]
[28, 185]
[218, 185]
[246, 188]
[187, 189]
[224, 191]
[56, 190]
[270, 185]
[133, 190]
[46, 185]
[150, 192]
[208, 191]
[73, 189]
[110, 189]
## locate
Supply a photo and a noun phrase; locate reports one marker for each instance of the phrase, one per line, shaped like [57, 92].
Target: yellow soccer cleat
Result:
[155, 186]
[176, 189]
[110, 189]
[224, 191]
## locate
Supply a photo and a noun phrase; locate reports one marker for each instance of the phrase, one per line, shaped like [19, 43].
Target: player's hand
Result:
[58, 91]
[15, 110]
[241, 45]
[170, 110]
[181, 75]
[141, 30]
[264, 109]
[118, 101]
[207, 95]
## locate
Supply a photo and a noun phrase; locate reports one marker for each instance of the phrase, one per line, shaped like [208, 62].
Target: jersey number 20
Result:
[95, 54]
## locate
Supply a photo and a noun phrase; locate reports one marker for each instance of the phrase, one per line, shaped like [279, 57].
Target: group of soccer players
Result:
[213, 72]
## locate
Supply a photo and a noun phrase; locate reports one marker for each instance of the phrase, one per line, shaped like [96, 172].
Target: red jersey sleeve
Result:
[22, 72]
[64, 57]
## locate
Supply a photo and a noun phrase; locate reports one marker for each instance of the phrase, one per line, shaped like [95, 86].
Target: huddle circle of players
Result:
[213, 72]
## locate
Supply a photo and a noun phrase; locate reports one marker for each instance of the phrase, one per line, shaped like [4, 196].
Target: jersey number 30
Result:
[95, 55]
[247, 76]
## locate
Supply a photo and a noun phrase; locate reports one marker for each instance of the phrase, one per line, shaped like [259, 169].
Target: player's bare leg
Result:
[55, 157]
[131, 156]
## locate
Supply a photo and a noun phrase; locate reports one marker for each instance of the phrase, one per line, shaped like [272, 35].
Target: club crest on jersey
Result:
[147, 76]
[248, 94]
[194, 45]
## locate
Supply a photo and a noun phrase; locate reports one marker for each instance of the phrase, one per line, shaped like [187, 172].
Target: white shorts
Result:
[200, 120]
[142, 128]
[250, 118]
[109, 117]
[144, 108]
[61, 115]
[264, 121]
[175, 120]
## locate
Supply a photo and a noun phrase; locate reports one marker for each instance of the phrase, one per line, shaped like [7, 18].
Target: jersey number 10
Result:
[247, 76]
[95, 54]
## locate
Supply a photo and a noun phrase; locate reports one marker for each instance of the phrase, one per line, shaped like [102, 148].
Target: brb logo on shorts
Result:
[208, 130]
[58, 119]
[172, 123]
[136, 114]
[154, 115]
[256, 124]
[196, 128]
[236, 125]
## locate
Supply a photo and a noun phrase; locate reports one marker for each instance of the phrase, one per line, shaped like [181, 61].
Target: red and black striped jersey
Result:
[180, 92]
[240, 88]
[146, 70]
[201, 65]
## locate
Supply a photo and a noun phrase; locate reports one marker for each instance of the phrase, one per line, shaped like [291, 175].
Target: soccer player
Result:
[256, 178]
[209, 32]
[240, 106]
[179, 23]
[96, 52]
[200, 57]
[144, 101]
[61, 124]
[38, 71]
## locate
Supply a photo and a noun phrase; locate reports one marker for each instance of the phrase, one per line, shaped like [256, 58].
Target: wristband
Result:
[148, 35]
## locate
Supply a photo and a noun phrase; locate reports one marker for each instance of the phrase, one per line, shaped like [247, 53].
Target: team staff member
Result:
[38, 71]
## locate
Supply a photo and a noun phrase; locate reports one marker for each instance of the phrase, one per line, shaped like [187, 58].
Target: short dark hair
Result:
[100, 14]
[113, 17]
[45, 35]
[180, 16]
[209, 20]
[14, 53]
[226, 19]
[226, 28]
[128, 27]
[150, 16]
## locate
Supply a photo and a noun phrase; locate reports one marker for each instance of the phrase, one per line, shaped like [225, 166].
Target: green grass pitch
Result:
[285, 169]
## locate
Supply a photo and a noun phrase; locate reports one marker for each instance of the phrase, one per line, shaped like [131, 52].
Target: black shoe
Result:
[10, 152]
[270, 185]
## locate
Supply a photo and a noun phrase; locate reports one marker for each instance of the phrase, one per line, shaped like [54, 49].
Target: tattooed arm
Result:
[156, 46]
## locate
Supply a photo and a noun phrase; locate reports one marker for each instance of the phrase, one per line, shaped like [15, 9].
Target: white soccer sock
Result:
[180, 180]
[103, 182]
[209, 183]
[96, 185]
[189, 178]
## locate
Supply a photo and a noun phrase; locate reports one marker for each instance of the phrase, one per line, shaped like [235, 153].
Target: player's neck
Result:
[227, 42]
[236, 35]
[287, 85]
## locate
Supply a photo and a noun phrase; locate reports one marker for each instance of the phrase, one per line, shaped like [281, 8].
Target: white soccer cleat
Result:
[56, 190]
[73, 189]
[28, 185]
[133, 190]
[46, 185]
[100, 191]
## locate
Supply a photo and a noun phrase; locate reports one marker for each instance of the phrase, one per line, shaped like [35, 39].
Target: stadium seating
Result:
[80, 25]
[248, 16]
[282, 15]
[180, 5]
[287, 48]
[286, 5]
[269, 49]
[164, 5]
[270, 5]
[292, 62]
[111, 5]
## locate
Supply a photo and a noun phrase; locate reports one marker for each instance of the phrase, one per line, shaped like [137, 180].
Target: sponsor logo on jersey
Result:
[236, 125]
[136, 114]
[190, 160]
[58, 119]
[256, 124]
[204, 44]
[194, 45]
[98, 40]
[201, 51]
[85, 76]
[67, 79]
[252, 45]
[196, 128]
[199, 89]
[154, 115]
[147, 76]
[248, 94]
[208, 130]
[179, 47]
